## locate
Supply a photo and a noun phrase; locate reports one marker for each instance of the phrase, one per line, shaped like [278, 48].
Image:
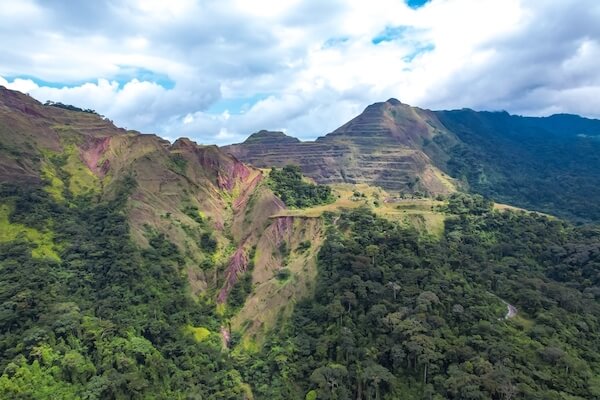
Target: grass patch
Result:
[67, 169]
[249, 345]
[424, 214]
[55, 186]
[221, 309]
[81, 179]
[199, 333]
[43, 240]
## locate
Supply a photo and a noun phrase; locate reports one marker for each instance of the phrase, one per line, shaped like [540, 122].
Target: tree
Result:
[395, 287]
[375, 375]
[372, 251]
[330, 381]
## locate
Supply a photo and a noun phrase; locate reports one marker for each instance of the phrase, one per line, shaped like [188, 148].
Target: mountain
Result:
[389, 145]
[549, 164]
[135, 268]
[216, 210]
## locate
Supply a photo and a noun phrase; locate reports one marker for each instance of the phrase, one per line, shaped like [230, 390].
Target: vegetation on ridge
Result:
[546, 164]
[69, 107]
[287, 183]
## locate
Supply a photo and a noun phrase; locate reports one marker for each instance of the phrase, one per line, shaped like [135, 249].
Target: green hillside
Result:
[135, 268]
[399, 315]
[547, 164]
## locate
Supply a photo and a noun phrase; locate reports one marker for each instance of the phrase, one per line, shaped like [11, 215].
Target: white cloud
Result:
[135, 105]
[310, 65]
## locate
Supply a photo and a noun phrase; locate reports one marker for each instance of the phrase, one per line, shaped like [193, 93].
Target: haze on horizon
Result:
[216, 71]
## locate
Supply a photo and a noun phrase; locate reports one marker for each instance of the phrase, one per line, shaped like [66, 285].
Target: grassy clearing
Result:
[421, 213]
[200, 333]
[56, 186]
[81, 180]
[43, 240]
[67, 168]
[506, 207]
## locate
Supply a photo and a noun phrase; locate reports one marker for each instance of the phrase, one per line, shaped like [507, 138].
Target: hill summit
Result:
[389, 145]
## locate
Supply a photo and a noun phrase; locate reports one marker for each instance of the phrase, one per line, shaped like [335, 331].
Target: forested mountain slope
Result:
[133, 268]
[119, 225]
[550, 164]
[399, 315]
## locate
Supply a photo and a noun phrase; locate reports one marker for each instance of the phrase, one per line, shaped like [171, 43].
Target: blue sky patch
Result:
[420, 49]
[43, 83]
[127, 73]
[391, 33]
[416, 3]
[334, 42]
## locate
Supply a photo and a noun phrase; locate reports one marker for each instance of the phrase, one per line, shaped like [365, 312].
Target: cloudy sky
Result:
[218, 70]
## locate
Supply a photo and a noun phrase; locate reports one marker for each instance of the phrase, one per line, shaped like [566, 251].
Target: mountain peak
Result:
[265, 137]
[384, 146]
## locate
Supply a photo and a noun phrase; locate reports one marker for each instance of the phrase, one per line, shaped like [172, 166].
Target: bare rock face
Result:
[390, 144]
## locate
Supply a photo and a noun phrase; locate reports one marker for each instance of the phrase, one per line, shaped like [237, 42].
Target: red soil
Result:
[91, 153]
[237, 266]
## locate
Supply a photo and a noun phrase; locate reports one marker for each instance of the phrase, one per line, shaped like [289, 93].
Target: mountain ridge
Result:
[187, 192]
[384, 146]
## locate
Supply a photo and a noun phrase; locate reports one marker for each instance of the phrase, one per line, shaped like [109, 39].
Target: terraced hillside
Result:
[389, 145]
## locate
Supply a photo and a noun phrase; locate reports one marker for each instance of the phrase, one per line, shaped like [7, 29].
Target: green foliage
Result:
[69, 107]
[283, 274]
[178, 163]
[243, 286]
[545, 164]
[287, 184]
[460, 204]
[303, 246]
[193, 212]
[240, 291]
[208, 243]
[397, 315]
[42, 241]
[105, 321]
